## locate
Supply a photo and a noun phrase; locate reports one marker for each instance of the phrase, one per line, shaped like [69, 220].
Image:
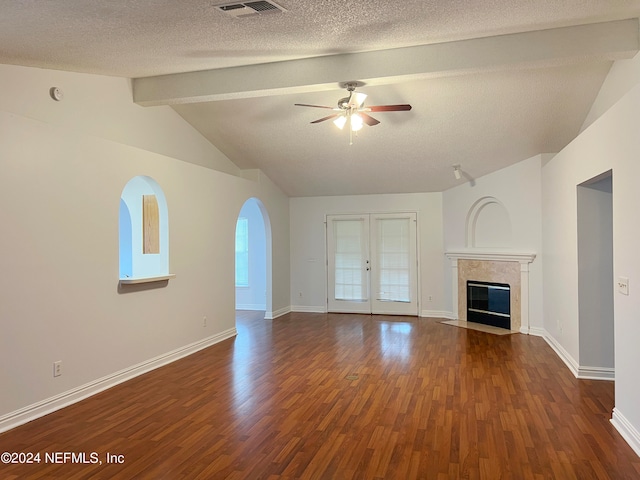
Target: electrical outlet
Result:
[300, 294]
[430, 298]
[57, 368]
[204, 321]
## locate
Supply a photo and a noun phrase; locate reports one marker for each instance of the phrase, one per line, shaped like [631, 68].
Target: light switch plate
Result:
[623, 285]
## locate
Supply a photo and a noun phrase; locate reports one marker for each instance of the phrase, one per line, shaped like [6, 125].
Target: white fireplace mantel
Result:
[492, 255]
[524, 258]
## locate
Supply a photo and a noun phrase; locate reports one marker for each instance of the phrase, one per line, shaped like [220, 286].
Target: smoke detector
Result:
[250, 9]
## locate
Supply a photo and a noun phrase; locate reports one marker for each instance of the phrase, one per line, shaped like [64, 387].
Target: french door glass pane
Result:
[350, 281]
[393, 260]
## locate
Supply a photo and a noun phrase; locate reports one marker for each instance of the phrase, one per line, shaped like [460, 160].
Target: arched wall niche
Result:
[134, 263]
[488, 225]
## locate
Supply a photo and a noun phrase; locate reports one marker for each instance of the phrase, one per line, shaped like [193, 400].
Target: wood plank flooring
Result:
[330, 396]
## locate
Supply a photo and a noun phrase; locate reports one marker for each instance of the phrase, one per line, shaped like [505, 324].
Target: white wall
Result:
[517, 188]
[63, 167]
[308, 255]
[611, 143]
[93, 103]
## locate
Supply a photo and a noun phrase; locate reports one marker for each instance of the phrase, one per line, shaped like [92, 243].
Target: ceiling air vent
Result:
[249, 9]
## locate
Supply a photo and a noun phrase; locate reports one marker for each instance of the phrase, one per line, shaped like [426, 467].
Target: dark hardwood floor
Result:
[314, 396]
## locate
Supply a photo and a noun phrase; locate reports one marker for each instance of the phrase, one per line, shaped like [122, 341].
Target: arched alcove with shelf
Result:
[143, 232]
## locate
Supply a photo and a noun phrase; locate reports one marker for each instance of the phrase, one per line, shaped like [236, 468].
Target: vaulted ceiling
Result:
[491, 83]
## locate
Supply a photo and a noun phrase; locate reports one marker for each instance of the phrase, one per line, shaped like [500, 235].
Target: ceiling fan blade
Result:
[389, 108]
[368, 119]
[329, 117]
[314, 106]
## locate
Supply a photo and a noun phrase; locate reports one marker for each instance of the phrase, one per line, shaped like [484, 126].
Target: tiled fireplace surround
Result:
[499, 267]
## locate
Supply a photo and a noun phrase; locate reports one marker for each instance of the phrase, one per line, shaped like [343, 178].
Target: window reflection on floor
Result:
[253, 334]
[395, 341]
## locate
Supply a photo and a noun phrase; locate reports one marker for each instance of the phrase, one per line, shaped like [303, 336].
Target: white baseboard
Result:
[628, 431]
[308, 309]
[581, 372]
[537, 331]
[251, 306]
[438, 314]
[276, 313]
[562, 353]
[64, 399]
[596, 373]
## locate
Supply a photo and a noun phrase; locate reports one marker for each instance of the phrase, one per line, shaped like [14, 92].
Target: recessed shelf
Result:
[158, 278]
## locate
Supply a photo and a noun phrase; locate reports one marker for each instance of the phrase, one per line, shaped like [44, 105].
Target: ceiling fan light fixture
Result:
[359, 98]
[356, 122]
[351, 109]
[340, 122]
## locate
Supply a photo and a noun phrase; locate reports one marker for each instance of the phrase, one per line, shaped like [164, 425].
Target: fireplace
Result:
[489, 303]
[511, 268]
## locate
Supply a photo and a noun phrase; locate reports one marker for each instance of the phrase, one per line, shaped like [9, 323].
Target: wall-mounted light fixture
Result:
[456, 172]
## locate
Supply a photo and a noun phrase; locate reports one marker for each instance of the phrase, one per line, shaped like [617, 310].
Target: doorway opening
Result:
[595, 278]
[253, 259]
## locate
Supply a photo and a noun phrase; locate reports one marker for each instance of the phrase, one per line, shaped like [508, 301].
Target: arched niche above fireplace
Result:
[488, 224]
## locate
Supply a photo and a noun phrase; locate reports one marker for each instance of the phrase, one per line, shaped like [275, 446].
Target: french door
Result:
[372, 263]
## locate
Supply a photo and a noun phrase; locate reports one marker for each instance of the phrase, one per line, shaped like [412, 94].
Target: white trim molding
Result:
[537, 331]
[596, 373]
[568, 360]
[155, 278]
[627, 430]
[64, 399]
[309, 309]
[437, 314]
[491, 255]
[251, 306]
[581, 372]
[276, 313]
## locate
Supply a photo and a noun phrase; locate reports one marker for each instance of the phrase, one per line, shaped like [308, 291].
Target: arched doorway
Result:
[253, 258]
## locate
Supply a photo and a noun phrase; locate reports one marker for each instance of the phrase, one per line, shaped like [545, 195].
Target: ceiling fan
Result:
[351, 109]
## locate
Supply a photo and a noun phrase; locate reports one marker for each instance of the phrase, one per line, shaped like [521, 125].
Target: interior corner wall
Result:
[308, 249]
[60, 187]
[610, 143]
[277, 206]
[517, 187]
[622, 77]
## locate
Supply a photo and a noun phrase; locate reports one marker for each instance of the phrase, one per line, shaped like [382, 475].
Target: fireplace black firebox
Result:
[489, 304]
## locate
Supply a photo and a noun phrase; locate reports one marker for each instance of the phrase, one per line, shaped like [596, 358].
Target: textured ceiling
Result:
[152, 37]
[482, 113]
